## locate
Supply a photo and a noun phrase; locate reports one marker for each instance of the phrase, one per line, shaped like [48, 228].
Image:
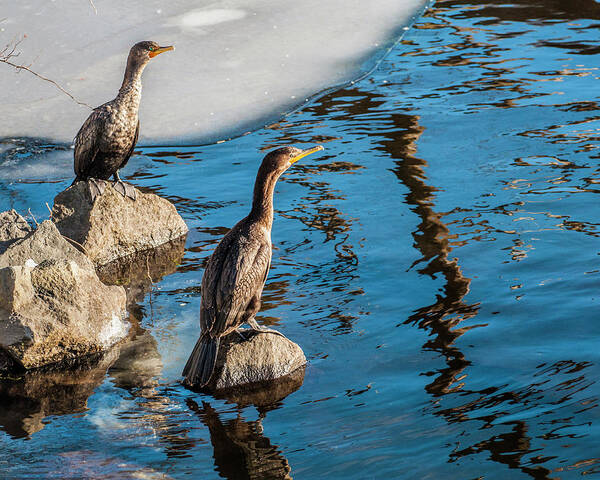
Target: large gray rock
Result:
[261, 358]
[12, 227]
[42, 244]
[114, 226]
[57, 311]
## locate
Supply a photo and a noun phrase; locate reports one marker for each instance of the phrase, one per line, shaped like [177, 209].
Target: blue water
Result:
[438, 264]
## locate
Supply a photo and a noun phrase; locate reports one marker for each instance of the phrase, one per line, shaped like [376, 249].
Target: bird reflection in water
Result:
[396, 135]
[241, 450]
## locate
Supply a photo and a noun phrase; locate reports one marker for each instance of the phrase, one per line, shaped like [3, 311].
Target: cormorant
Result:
[106, 139]
[237, 270]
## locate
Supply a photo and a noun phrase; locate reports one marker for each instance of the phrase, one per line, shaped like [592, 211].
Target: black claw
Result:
[96, 188]
[125, 189]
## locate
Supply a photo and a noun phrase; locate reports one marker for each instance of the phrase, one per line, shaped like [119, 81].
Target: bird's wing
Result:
[130, 152]
[86, 143]
[242, 274]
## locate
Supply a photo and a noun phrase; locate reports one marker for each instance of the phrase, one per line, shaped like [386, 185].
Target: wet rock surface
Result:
[12, 227]
[261, 358]
[114, 226]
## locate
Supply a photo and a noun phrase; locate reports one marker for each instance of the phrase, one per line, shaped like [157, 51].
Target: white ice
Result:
[237, 63]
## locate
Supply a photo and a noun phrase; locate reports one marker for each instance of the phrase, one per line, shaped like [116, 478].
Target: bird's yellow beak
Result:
[305, 153]
[160, 50]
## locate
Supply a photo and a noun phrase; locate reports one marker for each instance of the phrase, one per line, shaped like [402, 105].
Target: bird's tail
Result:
[200, 365]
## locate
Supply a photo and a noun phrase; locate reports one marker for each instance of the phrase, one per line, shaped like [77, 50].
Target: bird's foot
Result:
[241, 333]
[125, 189]
[257, 328]
[96, 187]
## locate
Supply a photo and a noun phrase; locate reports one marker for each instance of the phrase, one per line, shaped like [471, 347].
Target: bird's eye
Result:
[151, 49]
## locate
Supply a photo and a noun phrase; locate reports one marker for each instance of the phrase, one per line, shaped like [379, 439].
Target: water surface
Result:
[438, 264]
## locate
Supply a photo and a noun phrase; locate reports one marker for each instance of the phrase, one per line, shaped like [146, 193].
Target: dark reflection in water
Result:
[241, 449]
[28, 399]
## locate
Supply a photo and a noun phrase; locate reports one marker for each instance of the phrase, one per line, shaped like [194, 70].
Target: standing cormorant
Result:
[236, 272]
[106, 139]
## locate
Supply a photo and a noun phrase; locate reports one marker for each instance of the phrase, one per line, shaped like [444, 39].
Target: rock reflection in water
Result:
[29, 398]
[241, 450]
[139, 271]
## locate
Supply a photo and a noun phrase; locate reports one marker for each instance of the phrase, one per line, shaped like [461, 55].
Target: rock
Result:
[261, 358]
[264, 395]
[12, 227]
[115, 226]
[42, 244]
[57, 311]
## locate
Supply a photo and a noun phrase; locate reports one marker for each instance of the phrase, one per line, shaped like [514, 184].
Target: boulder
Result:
[12, 227]
[114, 226]
[57, 311]
[261, 357]
[42, 244]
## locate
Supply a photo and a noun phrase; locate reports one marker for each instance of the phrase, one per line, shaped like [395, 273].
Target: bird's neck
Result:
[262, 202]
[131, 89]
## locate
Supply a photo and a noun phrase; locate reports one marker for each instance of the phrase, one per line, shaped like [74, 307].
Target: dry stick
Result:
[93, 6]
[23, 67]
[36, 222]
[151, 287]
[76, 244]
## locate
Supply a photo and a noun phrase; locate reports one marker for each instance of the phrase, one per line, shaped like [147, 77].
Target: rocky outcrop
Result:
[12, 227]
[56, 312]
[53, 307]
[262, 357]
[114, 226]
[43, 244]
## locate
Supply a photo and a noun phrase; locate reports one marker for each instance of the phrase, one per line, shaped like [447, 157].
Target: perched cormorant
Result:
[106, 139]
[236, 272]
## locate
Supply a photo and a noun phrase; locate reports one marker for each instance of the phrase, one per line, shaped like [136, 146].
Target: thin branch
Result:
[32, 216]
[93, 6]
[10, 51]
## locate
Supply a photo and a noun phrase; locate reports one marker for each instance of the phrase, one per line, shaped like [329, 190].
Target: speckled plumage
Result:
[107, 138]
[237, 270]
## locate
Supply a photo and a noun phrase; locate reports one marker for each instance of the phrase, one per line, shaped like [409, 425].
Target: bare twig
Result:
[10, 51]
[76, 244]
[93, 6]
[151, 289]
[32, 216]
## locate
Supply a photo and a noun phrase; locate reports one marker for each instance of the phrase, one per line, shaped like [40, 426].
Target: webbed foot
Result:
[125, 189]
[241, 333]
[96, 187]
[256, 327]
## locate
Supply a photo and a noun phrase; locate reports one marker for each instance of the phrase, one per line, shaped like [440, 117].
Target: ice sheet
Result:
[237, 63]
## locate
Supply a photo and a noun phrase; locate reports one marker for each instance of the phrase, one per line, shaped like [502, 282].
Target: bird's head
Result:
[142, 52]
[278, 161]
